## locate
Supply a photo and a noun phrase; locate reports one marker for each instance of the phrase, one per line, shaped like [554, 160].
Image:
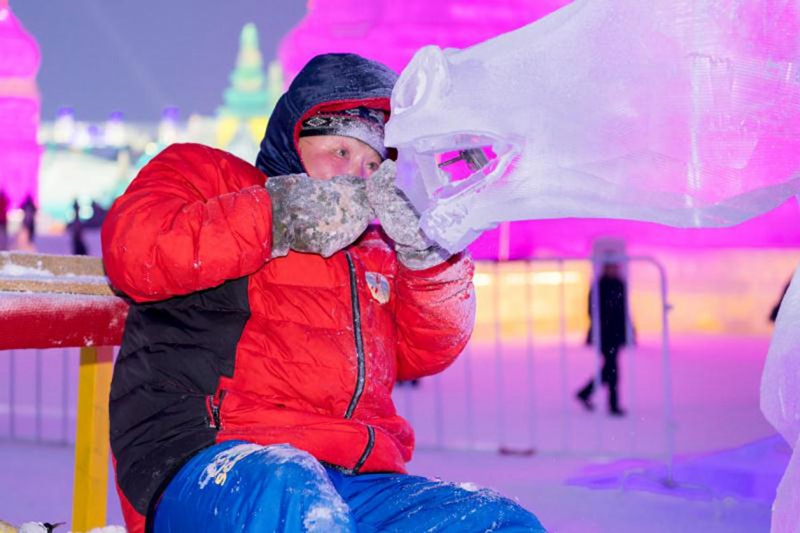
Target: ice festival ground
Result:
[728, 463]
[588, 473]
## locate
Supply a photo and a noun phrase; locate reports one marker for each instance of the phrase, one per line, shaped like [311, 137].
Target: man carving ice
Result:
[270, 322]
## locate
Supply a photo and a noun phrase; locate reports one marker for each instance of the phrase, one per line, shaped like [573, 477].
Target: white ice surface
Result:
[729, 462]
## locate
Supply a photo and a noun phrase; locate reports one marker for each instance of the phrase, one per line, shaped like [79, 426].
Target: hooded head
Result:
[328, 85]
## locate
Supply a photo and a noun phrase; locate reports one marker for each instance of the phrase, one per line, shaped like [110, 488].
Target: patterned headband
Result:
[361, 123]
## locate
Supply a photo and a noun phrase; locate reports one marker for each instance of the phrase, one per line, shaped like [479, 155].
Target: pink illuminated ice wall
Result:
[19, 109]
[391, 32]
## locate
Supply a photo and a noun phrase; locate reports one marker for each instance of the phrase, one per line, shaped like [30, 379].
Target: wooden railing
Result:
[49, 301]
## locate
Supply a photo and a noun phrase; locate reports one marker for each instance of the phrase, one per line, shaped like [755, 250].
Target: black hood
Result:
[327, 81]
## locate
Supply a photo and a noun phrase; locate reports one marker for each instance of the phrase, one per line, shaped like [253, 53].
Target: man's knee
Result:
[487, 510]
[292, 465]
[302, 484]
[279, 488]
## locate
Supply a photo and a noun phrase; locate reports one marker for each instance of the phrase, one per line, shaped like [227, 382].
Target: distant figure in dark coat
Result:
[613, 315]
[97, 218]
[76, 232]
[29, 218]
[3, 220]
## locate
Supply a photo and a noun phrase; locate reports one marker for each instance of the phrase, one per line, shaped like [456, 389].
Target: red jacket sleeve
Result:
[193, 218]
[435, 313]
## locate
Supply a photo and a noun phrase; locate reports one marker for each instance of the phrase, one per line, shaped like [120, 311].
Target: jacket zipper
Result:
[213, 405]
[359, 340]
[367, 449]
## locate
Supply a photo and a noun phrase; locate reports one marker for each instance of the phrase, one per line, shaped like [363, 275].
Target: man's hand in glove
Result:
[401, 222]
[317, 216]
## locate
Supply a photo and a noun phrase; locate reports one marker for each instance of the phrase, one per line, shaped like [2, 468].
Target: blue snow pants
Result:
[238, 486]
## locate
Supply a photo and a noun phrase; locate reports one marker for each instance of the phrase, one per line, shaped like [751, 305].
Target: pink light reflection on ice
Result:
[391, 32]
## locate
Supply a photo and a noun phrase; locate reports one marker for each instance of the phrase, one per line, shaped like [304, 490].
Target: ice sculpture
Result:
[680, 112]
[780, 403]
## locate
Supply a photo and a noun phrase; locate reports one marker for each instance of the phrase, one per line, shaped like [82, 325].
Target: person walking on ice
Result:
[609, 307]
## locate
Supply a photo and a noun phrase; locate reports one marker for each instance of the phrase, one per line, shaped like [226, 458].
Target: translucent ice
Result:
[780, 403]
[680, 112]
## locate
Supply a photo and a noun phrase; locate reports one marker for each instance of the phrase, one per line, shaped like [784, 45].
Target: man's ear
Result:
[391, 153]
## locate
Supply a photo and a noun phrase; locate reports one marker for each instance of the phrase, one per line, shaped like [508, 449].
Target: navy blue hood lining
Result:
[328, 80]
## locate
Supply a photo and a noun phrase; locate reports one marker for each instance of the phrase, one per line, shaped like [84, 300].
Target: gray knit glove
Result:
[317, 216]
[400, 221]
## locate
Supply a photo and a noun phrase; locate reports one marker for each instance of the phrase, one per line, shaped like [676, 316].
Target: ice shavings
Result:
[15, 270]
[317, 216]
[330, 513]
[469, 487]
[319, 518]
[24, 273]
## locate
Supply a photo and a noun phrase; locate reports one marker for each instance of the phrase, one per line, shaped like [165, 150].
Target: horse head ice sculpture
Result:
[680, 112]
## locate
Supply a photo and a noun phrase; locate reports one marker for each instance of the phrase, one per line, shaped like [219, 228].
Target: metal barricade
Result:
[41, 395]
[517, 396]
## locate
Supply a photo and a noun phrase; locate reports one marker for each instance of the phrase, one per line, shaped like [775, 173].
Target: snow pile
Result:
[20, 271]
[50, 273]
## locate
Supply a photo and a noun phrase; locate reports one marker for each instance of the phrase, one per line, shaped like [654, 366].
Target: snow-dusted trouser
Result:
[238, 486]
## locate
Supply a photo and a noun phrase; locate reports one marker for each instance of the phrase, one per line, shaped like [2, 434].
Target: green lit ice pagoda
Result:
[250, 98]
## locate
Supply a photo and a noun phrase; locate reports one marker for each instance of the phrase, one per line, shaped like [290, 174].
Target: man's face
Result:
[326, 156]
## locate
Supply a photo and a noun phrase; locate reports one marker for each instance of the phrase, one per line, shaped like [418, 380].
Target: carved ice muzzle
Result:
[428, 167]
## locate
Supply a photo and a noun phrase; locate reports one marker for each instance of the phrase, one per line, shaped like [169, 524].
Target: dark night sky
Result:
[137, 56]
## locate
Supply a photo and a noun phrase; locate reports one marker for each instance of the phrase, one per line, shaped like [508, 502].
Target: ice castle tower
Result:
[20, 152]
[391, 31]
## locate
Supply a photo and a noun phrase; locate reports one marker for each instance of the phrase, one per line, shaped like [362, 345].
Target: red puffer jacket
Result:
[224, 343]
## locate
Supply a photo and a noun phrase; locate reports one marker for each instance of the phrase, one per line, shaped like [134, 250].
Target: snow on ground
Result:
[613, 474]
[727, 467]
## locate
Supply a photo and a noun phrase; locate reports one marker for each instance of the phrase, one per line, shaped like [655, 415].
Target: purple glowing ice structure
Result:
[20, 152]
[391, 32]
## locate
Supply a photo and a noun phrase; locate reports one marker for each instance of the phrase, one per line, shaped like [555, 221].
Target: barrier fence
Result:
[515, 394]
